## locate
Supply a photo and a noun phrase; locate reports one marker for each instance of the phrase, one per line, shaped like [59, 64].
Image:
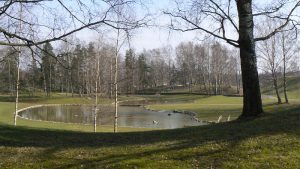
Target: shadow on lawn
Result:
[286, 120]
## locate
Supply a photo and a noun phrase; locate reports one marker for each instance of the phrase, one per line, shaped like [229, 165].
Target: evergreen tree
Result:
[35, 76]
[9, 71]
[129, 70]
[48, 65]
[142, 70]
[77, 66]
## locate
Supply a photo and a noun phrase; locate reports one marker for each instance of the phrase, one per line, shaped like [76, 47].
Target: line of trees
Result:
[233, 22]
[205, 68]
[278, 56]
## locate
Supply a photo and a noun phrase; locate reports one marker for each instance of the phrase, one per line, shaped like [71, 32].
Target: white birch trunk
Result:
[18, 74]
[116, 84]
[96, 94]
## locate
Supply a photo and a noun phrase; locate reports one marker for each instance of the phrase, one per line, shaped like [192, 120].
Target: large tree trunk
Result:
[252, 98]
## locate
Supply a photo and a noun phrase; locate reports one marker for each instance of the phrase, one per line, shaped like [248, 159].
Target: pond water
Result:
[129, 116]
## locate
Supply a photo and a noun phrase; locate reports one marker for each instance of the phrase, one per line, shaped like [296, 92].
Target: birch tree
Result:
[289, 48]
[217, 18]
[96, 93]
[18, 70]
[53, 25]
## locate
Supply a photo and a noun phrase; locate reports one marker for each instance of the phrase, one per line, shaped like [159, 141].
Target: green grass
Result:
[55, 98]
[163, 98]
[209, 107]
[201, 89]
[271, 141]
[293, 88]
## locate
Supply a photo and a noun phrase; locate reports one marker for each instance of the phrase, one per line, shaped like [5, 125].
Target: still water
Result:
[128, 116]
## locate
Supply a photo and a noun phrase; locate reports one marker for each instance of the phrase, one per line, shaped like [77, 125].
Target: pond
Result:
[129, 116]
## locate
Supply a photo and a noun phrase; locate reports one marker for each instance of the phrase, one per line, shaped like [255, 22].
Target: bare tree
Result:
[186, 61]
[18, 72]
[289, 47]
[96, 93]
[267, 51]
[116, 83]
[276, 53]
[217, 18]
[53, 25]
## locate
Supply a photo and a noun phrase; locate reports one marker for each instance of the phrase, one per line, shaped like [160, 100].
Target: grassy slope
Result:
[272, 141]
[209, 107]
[293, 88]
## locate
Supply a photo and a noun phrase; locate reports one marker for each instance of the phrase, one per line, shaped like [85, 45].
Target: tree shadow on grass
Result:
[286, 120]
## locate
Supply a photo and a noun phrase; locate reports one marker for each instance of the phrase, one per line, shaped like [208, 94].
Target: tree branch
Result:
[282, 26]
[197, 27]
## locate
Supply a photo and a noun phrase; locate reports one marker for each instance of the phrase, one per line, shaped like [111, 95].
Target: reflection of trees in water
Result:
[86, 113]
[106, 115]
[59, 113]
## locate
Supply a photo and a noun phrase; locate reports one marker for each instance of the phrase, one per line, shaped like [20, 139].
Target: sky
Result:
[154, 36]
[150, 37]
[143, 38]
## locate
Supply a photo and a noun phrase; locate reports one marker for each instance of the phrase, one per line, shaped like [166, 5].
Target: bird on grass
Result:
[155, 122]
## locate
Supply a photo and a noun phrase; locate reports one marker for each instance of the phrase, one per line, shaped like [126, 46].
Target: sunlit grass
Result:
[293, 88]
[210, 107]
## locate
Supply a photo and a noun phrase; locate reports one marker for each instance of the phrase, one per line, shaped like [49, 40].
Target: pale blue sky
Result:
[152, 36]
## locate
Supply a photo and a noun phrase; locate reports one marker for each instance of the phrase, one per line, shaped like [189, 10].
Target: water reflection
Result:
[128, 116]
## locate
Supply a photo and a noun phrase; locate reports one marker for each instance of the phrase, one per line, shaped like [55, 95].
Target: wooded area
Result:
[211, 64]
[149, 84]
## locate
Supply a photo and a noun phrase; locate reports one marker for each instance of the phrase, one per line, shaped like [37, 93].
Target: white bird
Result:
[220, 118]
[228, 119]
[155, 122]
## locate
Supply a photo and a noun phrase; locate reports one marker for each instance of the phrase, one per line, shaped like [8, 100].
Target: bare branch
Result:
[197, 27]
[280, 28]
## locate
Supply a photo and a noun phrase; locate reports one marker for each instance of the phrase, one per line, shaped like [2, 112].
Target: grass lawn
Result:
[271, 141]
[293, 88]
[209, 107]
